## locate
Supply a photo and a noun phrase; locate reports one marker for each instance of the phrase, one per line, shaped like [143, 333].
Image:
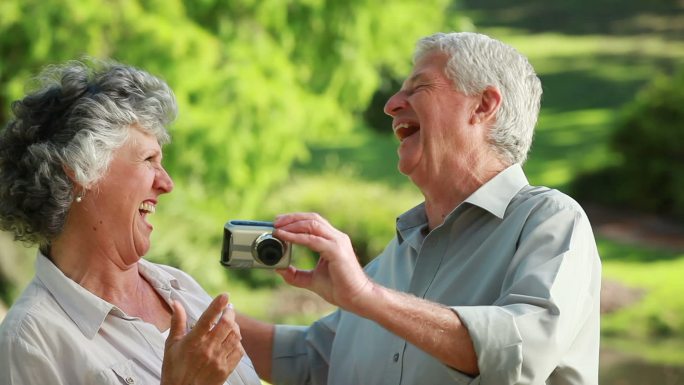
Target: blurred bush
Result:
[257, 83]
[650, 139]
[16, 267]
[366, 211]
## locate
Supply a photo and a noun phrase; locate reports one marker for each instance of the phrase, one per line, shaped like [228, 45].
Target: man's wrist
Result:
[368, 301]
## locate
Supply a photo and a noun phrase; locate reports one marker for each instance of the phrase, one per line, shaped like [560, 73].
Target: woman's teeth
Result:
[147, 207]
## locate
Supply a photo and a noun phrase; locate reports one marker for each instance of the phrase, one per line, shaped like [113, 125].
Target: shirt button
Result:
[396, 357]
[130, 380]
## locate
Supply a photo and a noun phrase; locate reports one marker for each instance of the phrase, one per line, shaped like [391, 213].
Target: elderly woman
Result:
[80, 172]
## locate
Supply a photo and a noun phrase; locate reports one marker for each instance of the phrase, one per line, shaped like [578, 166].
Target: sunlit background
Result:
[281, 110]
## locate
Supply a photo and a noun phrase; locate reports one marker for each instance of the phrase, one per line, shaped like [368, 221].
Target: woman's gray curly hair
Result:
[81, 112]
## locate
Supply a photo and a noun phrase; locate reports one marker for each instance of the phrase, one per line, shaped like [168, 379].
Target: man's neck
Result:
[442, 198]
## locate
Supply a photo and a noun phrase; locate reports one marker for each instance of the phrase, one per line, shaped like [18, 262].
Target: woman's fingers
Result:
[226, 326]
[178, 320]
[209, 352]
[208, 319]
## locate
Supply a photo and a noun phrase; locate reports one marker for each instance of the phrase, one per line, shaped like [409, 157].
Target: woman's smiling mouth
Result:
[147, 207]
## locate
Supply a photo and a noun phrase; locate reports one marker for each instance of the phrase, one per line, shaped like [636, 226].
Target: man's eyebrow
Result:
[414, 78]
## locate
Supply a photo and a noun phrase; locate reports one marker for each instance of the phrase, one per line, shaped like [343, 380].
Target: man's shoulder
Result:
[544, 198]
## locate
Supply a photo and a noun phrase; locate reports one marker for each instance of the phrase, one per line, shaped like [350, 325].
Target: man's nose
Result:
[395, 103]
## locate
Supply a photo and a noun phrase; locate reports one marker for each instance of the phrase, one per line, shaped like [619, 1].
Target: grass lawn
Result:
[652, 327]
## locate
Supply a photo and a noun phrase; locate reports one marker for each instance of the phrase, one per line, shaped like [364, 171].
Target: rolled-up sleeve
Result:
[548, 300]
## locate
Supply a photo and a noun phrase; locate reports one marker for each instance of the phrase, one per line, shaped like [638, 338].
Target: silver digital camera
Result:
[251, 244]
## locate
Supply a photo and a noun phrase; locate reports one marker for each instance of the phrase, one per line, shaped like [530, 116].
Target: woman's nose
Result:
[163, 181]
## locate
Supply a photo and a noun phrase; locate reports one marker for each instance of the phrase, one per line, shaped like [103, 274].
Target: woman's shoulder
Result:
[31, 316]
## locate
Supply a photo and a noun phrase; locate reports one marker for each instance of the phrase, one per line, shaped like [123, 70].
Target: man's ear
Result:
[489, 103]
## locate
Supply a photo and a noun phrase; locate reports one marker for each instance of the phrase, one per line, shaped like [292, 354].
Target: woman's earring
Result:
[79, 197]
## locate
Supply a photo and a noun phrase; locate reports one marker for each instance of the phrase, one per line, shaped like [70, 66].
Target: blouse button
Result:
[396, 357]
[130, 380]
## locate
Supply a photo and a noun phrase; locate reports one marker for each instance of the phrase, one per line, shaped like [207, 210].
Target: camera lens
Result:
[269, 250]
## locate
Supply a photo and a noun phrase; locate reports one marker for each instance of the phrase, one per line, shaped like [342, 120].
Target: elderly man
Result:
[488, 281]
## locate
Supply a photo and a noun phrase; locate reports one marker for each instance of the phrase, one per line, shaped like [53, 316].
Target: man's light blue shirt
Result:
[519, 266]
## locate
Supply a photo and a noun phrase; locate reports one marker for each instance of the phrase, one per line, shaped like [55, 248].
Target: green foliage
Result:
[649, 138]
[257, 83]
[15, 268]
[363, 210]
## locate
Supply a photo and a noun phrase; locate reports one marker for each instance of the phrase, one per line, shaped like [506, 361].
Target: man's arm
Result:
[257, 339]
[340, 280]
[546, 315]
[432, 327]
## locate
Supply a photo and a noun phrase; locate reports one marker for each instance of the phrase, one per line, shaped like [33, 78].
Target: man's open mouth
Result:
[404, 130]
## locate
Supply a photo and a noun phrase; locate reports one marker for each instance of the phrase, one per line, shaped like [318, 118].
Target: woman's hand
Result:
[206, 354]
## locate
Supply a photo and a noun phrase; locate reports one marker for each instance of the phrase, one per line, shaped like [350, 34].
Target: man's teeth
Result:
[400, 126]
[147, 207]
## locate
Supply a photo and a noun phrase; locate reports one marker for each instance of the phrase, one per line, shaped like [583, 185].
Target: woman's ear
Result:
[489, 103]
[71, 174]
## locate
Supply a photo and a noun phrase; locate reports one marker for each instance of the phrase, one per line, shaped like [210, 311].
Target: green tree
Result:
[256, 82]
[648, 137]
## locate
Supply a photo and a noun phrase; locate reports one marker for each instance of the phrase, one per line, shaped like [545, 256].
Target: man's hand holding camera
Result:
[338, 278]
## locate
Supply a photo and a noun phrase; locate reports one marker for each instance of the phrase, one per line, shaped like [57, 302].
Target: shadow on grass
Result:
[625, 252]
[582, 17]
[618, 368]
[582, 89]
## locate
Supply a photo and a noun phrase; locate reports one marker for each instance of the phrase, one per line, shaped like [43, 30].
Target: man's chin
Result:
[406, 169]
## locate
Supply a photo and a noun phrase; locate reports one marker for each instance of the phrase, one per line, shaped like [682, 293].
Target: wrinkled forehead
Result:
[427, 67]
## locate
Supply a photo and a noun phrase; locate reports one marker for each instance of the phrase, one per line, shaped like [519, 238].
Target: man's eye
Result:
[417, 87]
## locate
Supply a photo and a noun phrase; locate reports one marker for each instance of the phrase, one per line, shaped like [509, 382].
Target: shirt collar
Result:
[160, 279]
[87, 310]
[493, 196]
